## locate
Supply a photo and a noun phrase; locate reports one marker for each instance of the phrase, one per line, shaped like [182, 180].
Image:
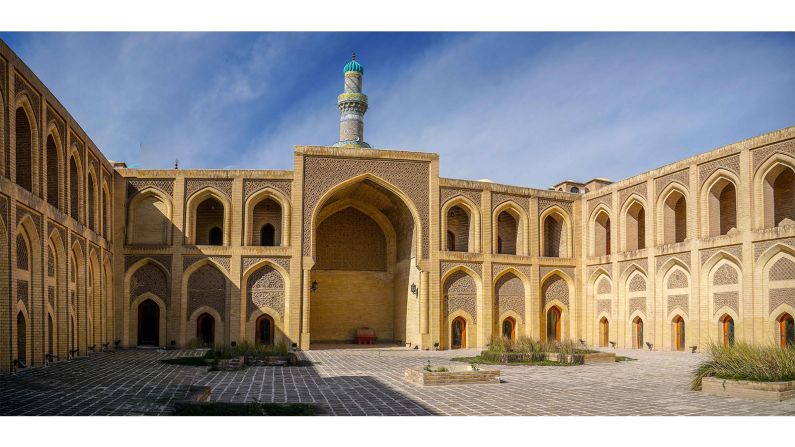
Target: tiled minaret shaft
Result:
[352, 104]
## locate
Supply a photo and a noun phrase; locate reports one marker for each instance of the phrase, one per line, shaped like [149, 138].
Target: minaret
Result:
[352, 104]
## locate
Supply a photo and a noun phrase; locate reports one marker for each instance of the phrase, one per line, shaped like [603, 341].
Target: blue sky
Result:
[529, 109]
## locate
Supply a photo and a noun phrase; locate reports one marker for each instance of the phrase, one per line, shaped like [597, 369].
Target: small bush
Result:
[527, 345]
[743, 361]
[247, 349]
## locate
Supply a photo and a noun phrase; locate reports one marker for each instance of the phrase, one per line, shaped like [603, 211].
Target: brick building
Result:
[94, 253]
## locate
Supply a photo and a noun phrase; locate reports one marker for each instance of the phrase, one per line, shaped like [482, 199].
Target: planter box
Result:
[457, 375]
[583, 359]
[275, 360]
[771, 391]
[578, 359]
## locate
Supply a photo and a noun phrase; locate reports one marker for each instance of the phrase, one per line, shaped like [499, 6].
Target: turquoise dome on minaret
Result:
[353, 66]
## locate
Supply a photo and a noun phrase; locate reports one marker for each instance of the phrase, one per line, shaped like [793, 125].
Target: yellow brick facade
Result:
[355, 237]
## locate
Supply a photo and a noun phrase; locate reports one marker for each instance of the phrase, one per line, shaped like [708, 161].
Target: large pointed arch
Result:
[25, 132]
[282, 230]
[396, 191]
[53, 160]
[278, 319]
[76, 184]
[767, 211]
[556, 237]
[519, 242]
[719, 205]
[600, 231]
[632, 225]
[672, 211]
[194, 201]
[448, 315]
[148, 222]
[556, 289]
[473, 213]
[519, 315]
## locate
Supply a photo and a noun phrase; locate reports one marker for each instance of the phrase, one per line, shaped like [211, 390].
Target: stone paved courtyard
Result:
[370, 382]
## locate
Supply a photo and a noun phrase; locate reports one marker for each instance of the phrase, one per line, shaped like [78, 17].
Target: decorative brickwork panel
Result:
[680, 301]
[544, 204]
[682, 257]
[606, 200]
[51, 227]
[555, 288]
[781, 296]
[637, 304]
[734, 250]
[265, 288]
[22, 212]
[50, 262]
[194, 185]
[761, 247]
[593, 268]
[730, 163]
[782, 270]
[164, 260]
[22, 254]
[761, 154]
[23, 293]
[509, 292]
[446, 194]
[546, 269]
[4, 210]
[251, 187]
[639, 189]
[223, 261]
[56, 120]
[642, 264]
[603, 306]
[725, 275]
[207, 287]
[323, 173]
[604, 286]
[460, 293]
[728, 299]
[51, 296]
[677, 280]
[637, 284]
[350, 240]
[22, 86]
[681, 177]
[280, 261]
[447, 266]
[499, 198]
[150, 278]
[496, 269]
[134, 186]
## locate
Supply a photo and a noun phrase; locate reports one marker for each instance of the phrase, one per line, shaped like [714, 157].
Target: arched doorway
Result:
[787, 331]
[264, 329]
[458, 333]
[637, 333]
[553, 324]
[148, 323]
[727, 324]
[604, 332]
[22, 343]
[205, 329]
[679, 333]
[509, 329]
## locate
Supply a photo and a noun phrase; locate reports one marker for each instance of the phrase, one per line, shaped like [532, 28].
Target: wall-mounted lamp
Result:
[414, 289]
[313, 287]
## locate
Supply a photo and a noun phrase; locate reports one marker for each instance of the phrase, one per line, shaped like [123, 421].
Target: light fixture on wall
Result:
[414, 289]
[313, 287]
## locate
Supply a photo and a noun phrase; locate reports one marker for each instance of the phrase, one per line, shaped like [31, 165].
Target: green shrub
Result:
[527, 345]
[743, 361]
[248, 349]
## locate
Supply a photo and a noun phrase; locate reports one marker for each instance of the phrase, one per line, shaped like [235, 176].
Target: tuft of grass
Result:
[743, 361]
[247, 409]
[484, 361]
[527, 345]
[248, 349]
[621, 358]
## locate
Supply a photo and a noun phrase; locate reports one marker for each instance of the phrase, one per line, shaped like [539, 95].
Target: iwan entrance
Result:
[365, 262]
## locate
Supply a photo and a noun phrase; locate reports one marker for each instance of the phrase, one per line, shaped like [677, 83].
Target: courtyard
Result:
[342, 380]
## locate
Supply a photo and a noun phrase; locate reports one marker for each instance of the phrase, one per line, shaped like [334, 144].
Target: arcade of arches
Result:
[95, 252]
